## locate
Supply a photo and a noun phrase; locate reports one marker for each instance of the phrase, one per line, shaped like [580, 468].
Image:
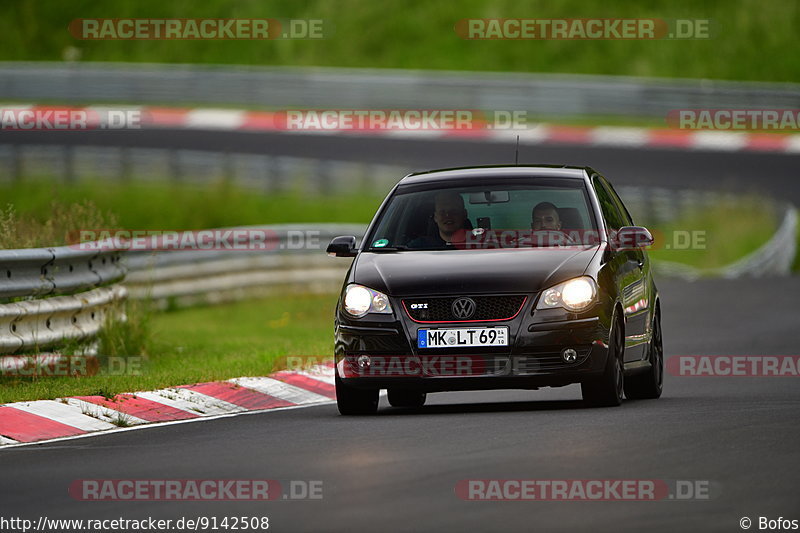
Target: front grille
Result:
[440, 309]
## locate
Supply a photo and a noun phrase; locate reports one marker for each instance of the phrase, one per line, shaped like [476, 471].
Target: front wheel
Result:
[353, 401]
[606, 391]
[649, 384]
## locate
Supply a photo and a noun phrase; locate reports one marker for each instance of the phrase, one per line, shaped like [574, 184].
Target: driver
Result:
[545, 217]
[544, 221]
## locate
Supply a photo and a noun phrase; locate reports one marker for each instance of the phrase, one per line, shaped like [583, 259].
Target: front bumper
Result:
[533, 358]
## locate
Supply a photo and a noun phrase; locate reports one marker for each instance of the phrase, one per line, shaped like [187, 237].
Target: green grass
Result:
[752, 39]
[160, 205]
[203, 344]
[729, 231]
[47, 226]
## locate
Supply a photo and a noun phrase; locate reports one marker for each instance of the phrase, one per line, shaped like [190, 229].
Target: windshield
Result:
[554, 212]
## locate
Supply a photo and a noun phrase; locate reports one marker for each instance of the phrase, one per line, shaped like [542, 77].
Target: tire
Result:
[355, 402]
[406, 398]
[606, 391]
[648, 386]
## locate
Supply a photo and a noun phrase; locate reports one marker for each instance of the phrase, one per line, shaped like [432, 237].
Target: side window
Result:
[626, 216]
[611, 213]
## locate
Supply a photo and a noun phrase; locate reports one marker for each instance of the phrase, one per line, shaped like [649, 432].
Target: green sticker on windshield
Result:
[380, 243]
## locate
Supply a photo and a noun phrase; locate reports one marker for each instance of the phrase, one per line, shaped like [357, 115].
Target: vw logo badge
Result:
[463, 308]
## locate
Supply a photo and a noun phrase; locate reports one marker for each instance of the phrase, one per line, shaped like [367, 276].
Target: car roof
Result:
[500, 171]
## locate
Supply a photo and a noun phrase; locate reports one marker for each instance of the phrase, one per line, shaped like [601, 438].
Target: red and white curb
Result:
[608, 136]
[41, 420]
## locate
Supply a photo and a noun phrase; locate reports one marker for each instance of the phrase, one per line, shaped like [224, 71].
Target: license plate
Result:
[462, 337]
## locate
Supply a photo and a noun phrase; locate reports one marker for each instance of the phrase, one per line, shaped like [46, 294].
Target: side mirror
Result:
[631, 237]
[342, 247]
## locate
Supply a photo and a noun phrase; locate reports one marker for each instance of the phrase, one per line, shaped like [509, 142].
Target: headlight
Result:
[574, 295]
[360, 300]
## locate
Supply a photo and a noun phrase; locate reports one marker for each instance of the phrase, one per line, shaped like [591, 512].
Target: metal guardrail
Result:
[33, 325]
[188, 277]
[234, 279]
[289, 87]
[258, 172]
[74, 290]
[38, 272]
[300, 239]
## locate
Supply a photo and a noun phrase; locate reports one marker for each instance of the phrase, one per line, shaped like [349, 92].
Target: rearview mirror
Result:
[488, 197]
[631, 237]
[342, 247]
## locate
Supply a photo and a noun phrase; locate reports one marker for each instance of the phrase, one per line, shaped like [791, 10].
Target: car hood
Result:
[469, 271]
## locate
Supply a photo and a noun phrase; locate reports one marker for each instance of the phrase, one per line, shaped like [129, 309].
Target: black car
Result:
[504, 277]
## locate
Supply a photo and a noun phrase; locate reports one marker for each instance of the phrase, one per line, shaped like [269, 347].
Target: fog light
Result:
[363, 361]
[569, 355]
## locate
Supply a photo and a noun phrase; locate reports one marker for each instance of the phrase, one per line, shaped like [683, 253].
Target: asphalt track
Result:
[397, 471]
[740, 171]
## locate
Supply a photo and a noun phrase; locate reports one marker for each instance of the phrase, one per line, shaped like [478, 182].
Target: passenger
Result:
[450, 217]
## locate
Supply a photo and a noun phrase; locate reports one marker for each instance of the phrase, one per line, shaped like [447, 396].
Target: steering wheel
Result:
[551, 237]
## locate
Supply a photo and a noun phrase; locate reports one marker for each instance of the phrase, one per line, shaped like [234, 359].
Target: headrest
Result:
[570, 218]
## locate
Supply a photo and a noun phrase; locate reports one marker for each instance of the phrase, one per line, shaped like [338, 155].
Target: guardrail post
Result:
[124, 164]
[274, 173]
[228, 173]
[175, 170]
[367, 178]
[17, 168]
[68, 163]
[322, 176]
